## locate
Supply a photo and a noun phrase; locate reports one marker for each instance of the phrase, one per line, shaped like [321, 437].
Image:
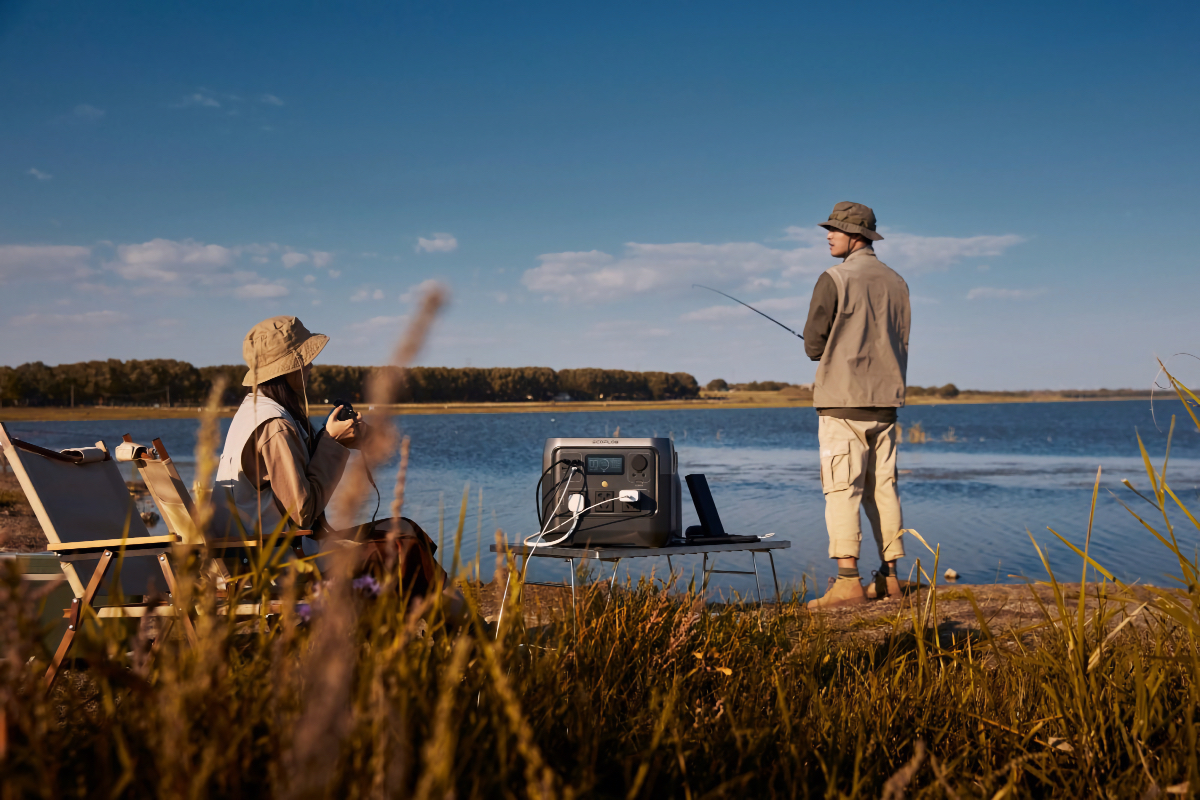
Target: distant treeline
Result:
[163, 381]
[718, 385]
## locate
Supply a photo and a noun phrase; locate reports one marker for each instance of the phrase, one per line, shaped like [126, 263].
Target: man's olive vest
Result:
[865, 362]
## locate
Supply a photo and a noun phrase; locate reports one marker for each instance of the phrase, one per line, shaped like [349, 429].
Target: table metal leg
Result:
[754, 566]
[613, 580]
[778, 597]
[670, 568]
[571, 561]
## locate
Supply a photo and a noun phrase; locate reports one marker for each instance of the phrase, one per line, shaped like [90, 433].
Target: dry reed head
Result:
[208, 443]
[384, 385]
[382, 390]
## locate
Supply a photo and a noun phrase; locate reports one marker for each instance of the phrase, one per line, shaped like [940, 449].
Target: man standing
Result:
[858, 329]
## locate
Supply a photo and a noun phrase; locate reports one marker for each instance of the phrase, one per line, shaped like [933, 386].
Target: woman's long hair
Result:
[279, 390]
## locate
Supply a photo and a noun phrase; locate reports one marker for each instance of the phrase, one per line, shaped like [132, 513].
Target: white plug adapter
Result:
[576, 503]
[629, 495]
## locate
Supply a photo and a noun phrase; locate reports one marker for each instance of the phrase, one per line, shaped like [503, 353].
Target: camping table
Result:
[618, 554]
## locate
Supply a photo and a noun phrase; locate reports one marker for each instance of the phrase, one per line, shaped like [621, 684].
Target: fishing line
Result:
[747, 305]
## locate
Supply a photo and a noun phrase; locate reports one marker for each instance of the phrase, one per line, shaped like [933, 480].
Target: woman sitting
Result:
[275, 467]
[276, 472]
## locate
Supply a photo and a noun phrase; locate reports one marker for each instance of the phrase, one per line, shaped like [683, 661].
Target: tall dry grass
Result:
[655, 695]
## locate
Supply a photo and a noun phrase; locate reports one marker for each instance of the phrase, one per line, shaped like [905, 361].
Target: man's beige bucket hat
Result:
[853, 218]
[280, 345]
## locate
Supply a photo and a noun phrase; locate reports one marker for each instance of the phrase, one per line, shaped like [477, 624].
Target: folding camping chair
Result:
[91, 522]
[178, 510]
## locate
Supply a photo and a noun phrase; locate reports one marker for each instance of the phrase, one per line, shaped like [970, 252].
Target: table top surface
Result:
[620, 553]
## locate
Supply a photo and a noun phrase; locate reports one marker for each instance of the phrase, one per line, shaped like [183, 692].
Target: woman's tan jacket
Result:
[266, 473]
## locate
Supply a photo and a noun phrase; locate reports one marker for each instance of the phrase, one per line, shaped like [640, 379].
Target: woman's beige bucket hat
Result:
[853, 218]
[280, 345]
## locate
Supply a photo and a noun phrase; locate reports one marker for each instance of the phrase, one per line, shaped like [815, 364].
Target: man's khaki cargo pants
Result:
[858, 469]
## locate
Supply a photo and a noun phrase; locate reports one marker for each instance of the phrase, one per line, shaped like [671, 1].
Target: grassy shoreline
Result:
[741, 400]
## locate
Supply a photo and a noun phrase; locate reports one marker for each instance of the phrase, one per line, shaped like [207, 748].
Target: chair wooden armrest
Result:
[141, 542]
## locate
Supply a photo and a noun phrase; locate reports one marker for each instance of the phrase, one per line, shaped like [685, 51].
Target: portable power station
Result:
[603, 469]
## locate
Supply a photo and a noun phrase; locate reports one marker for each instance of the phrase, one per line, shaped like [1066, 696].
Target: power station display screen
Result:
[605, 465]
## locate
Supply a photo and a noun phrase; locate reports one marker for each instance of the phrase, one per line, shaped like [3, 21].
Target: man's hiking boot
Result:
[843, 592]
[883, 586]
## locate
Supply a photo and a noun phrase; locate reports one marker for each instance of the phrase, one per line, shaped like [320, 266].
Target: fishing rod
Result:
[747, 305]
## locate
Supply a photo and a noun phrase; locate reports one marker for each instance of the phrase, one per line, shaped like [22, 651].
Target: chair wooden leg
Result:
[185, 619]
[77, 606]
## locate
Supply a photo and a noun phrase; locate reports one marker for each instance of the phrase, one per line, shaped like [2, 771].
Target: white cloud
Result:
[911, 254]
[43, 261]
[377, 294]
[657, 267]
[375, 324]
[202, 99]
[372, 331]
[321, 260]
[88, 113]
[37, 173]
[360, 295]
[810, 237]
[88, 318]
[175, 267]
[335, 273]
[991, 293]
[270, 100]
[440, 243]
[259, 291]
[171, 261]
[418, 291]
[644, 268]
[500, 297]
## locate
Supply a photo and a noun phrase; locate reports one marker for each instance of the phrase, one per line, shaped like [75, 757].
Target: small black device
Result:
[710, 530]
[347, 411]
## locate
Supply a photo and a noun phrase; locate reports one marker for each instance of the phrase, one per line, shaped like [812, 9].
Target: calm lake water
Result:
[1009, 468]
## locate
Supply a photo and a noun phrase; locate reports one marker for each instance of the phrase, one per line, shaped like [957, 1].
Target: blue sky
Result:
[171, 173]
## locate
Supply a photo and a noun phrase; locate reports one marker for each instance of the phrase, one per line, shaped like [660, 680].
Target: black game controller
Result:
[347, 411]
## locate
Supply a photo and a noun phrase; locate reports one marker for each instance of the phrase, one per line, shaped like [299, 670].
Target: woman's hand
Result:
[345, 432]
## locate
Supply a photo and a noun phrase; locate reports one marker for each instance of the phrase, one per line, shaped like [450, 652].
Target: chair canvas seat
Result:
[91, 522]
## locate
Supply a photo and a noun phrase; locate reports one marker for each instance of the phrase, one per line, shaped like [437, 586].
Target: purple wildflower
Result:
[367, 585]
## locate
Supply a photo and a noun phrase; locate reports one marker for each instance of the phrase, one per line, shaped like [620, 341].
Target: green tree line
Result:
[719, 385]
[163, 381]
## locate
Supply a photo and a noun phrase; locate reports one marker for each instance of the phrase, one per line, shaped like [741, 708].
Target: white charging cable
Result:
[553, 513]
[575, 506]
